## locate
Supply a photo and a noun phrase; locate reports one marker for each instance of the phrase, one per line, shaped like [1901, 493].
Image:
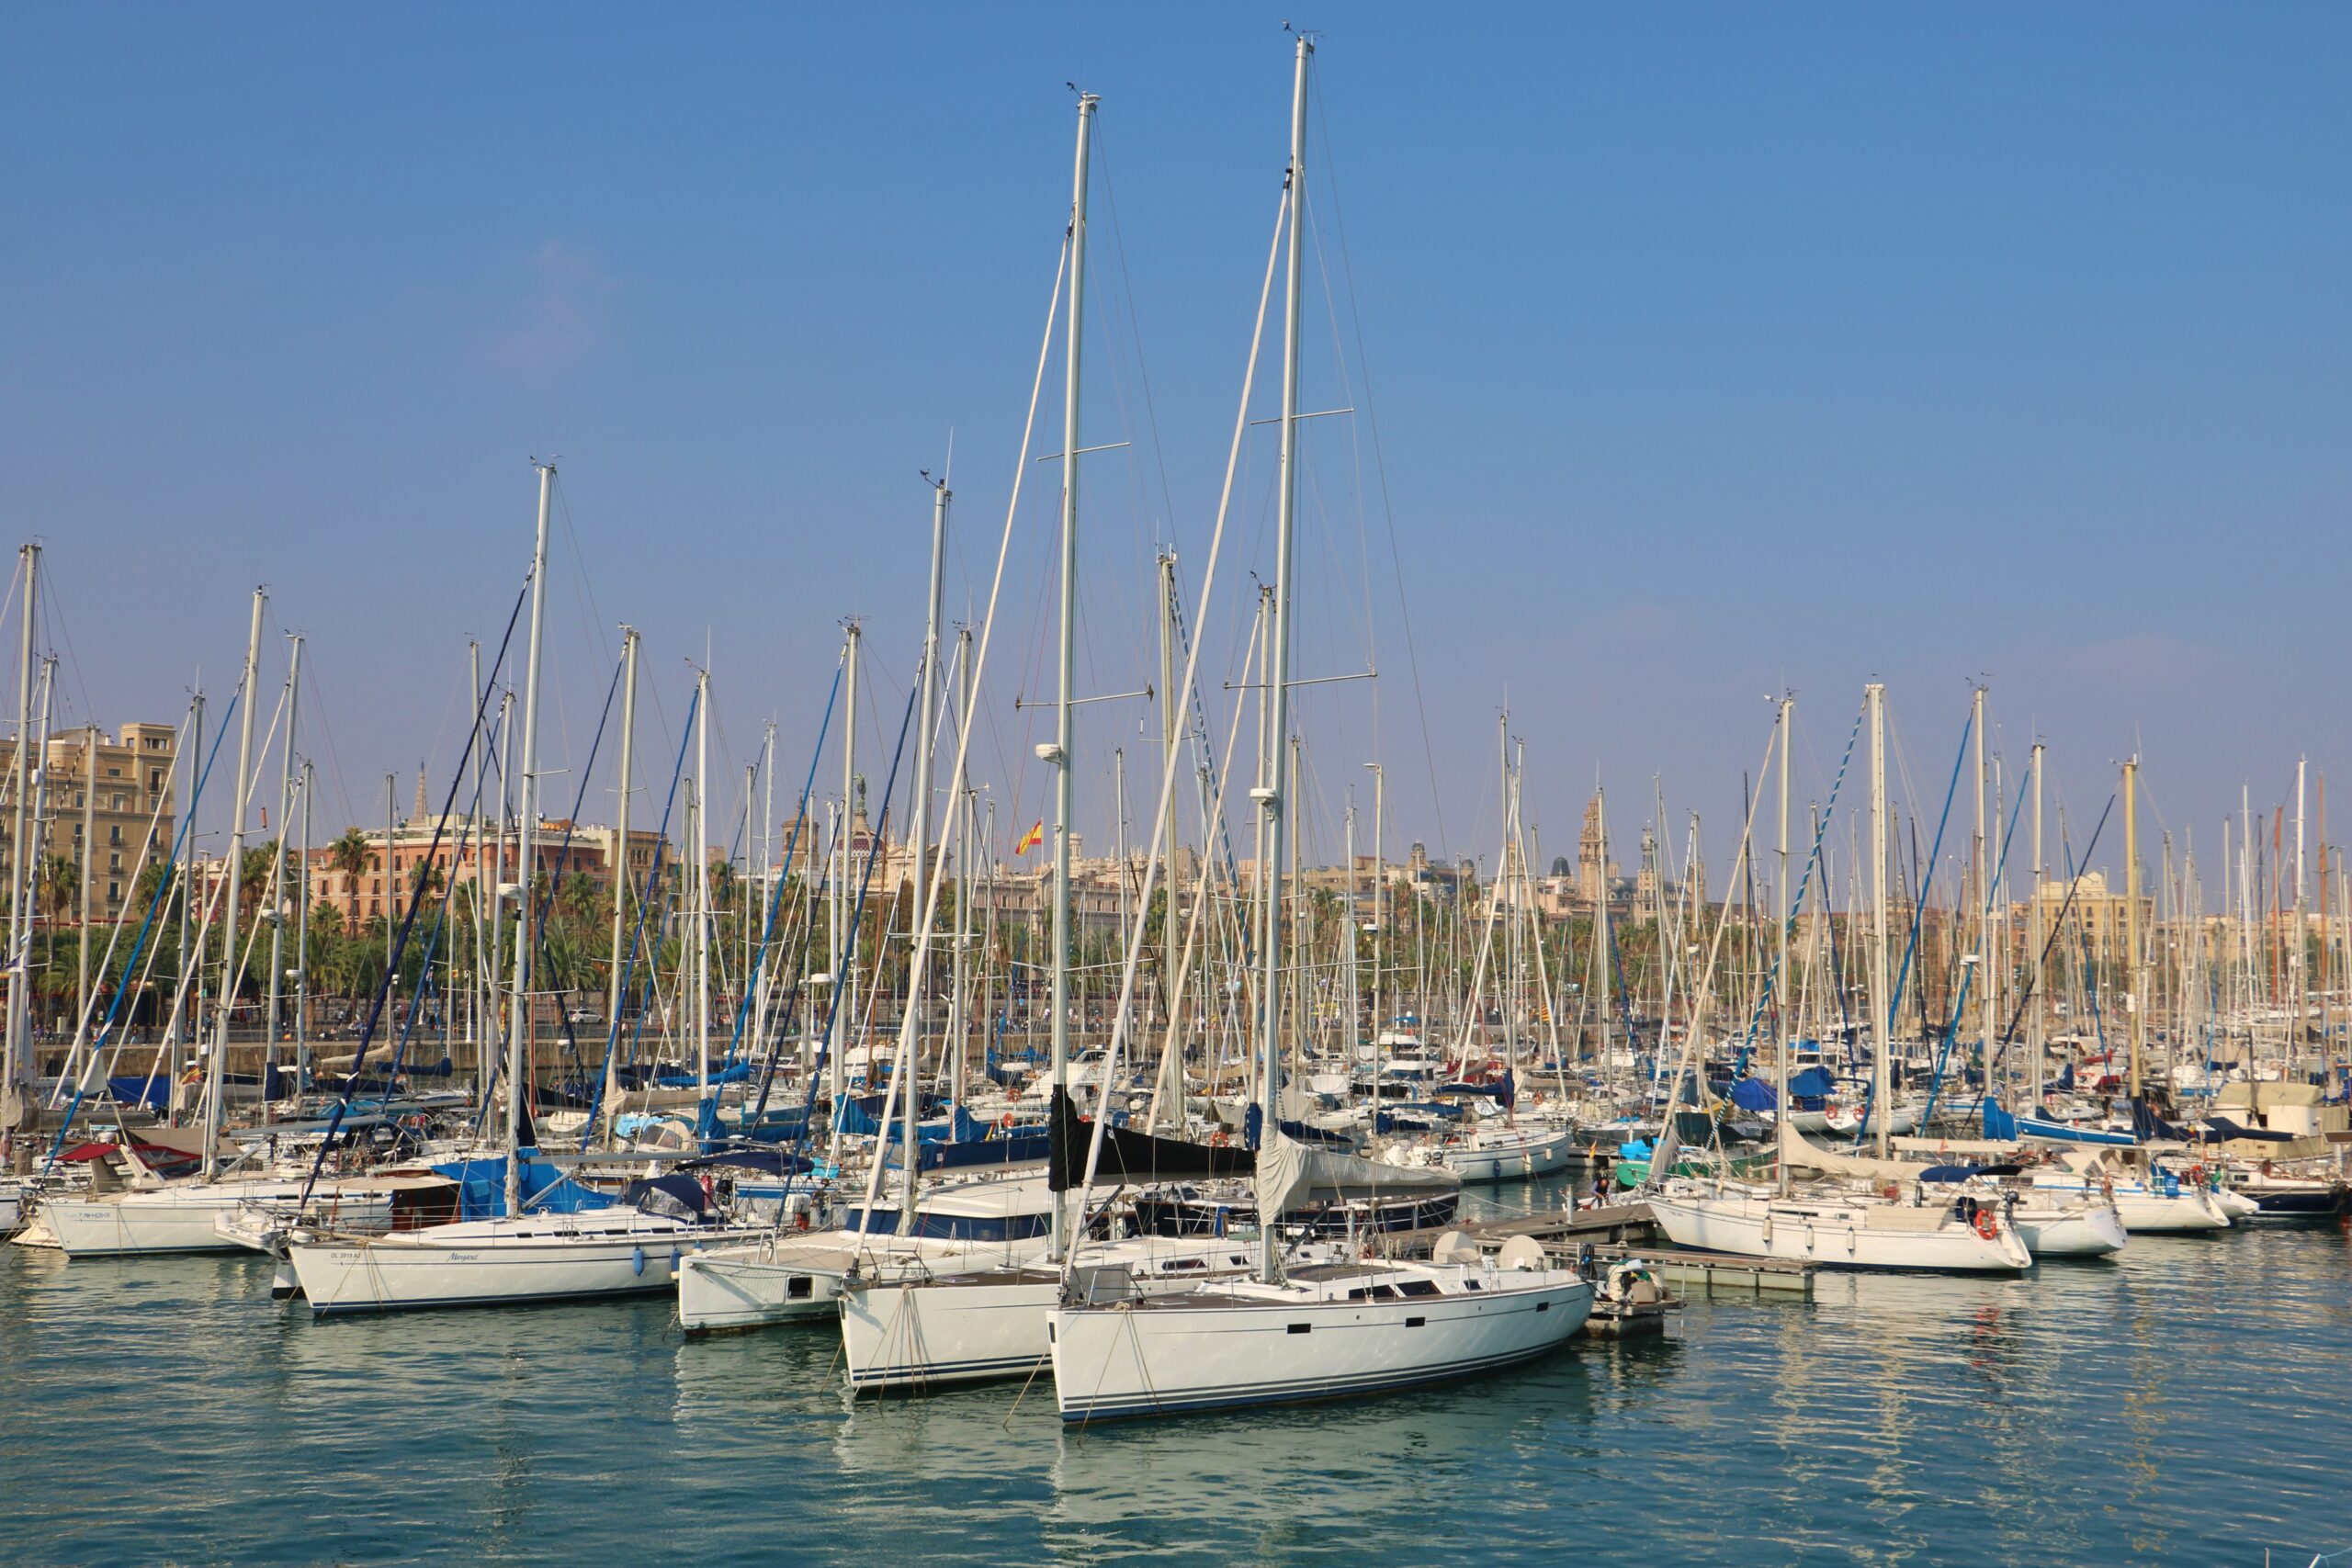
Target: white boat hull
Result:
[2077, 1231]
[923, 1335]
[2145, 1211]
[497, 1262]
[1511, 1159]
[796, 1278]
[1839, 1234]
[1206, 1350]
[182, 1218]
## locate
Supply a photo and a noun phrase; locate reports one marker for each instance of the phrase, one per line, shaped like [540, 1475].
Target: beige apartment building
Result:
[105, 801]
[464, 854]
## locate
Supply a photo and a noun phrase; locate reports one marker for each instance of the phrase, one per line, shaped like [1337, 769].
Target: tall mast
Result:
[768, 871]
[2033, 1018]
[1983, 886]
[214, 1076]
[89, 884]
[1881, 1004]
[1781, 1036]
[1379, 894]
[303, 942]
[2131, 908]
[1603, 949]
[497, 884]
[1065, 734]
[480, 996]
[698, 799]
[1171, 725]
[844, 909]
[391, 898]
[527, 832]
[2300, 951]
[16, 1076]
[926, 739]
[1277, 695]
[960, 982]
[623, 873]
[188, 964]
[277, 864]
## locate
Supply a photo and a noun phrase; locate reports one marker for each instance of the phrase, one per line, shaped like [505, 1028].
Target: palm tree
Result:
[349, 854]
[252, 883]
[142, 892]
[61, 885]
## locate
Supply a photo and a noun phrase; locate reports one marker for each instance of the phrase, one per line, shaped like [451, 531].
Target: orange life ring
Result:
[1217, 1140]
[1986, 1225]
[1005, 1121]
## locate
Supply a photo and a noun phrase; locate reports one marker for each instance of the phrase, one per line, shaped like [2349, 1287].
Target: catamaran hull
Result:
[340, 1277]
[1835, 1236]
[1170, 1357]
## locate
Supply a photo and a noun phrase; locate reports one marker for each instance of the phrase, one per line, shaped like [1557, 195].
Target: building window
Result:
[114, 892]
[114, 862]
[156, 780]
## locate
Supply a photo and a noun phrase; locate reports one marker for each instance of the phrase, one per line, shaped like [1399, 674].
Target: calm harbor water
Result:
[2183, 1405]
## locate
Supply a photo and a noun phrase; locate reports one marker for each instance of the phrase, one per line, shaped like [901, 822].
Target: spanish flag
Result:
[1032, 838]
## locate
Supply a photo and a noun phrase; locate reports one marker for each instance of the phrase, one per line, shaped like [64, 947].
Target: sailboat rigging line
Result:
[1968, 979]
[918, 960]
[856, 919]
[2057, 928]
[82, 1037]
[636, 932]
[2093, 985]
[562, 865]
[757, 978]
[408, 919]
[1690, 1068]
[1770, 990]
[1163, 817]
[1380, 469]
[164, 890]
[1919, 916]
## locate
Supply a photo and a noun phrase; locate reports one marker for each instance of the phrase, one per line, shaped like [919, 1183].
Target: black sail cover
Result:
[1130, 1157]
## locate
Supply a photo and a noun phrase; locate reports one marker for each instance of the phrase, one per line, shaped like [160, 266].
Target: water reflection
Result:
[2181, 1404]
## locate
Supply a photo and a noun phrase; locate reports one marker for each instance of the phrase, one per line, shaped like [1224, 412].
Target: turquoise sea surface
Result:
[2187, 1404]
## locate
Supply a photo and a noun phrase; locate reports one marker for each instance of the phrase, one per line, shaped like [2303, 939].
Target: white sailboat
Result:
[918, 1321]
[181, 1216]
[1915, 1229]
[2147, 1201]
[526, 1256]
[783, 1276]
[1324, 1330]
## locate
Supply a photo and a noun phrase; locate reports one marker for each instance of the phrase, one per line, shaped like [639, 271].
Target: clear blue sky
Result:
[1712, 349]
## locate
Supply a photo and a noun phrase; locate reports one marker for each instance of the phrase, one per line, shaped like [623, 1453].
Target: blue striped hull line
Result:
[433, 1303]
[975, 1371]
